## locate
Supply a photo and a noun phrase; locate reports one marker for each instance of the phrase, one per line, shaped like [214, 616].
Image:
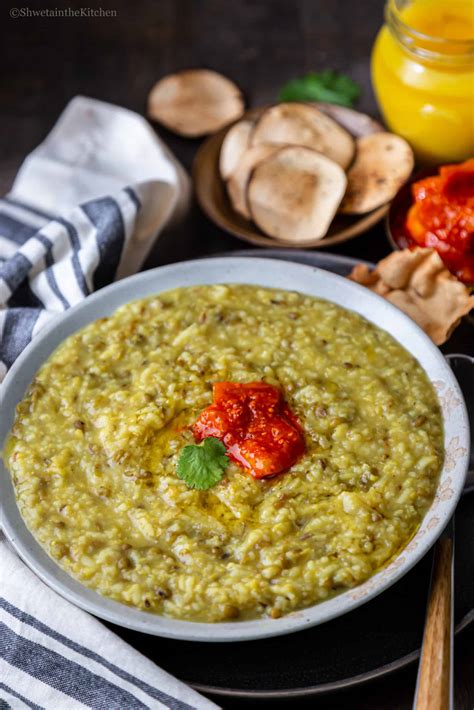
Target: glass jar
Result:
[423, 76]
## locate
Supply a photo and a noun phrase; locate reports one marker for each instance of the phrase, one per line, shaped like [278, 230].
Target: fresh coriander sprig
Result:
[201, 466]
[329, 85]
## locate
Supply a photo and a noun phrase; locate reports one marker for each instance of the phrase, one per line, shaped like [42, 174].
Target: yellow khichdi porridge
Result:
[96, 444]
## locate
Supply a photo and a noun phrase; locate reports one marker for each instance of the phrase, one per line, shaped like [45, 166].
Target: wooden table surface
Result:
[258, 43]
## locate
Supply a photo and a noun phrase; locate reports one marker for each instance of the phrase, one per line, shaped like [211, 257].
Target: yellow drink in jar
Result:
[423, 76]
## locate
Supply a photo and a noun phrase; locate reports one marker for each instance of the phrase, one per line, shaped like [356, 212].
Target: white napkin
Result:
[96, 149]
[85, 209]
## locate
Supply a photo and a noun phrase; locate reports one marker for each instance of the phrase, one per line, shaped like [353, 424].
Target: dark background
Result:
[260, 44]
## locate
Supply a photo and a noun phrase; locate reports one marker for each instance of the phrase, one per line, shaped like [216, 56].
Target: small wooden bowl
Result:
[212, 196]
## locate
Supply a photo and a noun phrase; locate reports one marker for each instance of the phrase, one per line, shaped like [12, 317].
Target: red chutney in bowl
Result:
[441, 216]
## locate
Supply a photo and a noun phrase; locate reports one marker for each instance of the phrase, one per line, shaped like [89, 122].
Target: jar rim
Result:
[410, 39]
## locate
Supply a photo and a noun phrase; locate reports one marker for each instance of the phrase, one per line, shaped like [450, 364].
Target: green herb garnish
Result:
[202, 466]
[328, 85]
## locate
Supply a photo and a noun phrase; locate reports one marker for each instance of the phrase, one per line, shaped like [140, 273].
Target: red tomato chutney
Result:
[256, 425]
[442, 217]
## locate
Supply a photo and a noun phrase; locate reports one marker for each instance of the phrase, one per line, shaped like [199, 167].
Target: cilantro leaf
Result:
[202, 466]
[328, 85]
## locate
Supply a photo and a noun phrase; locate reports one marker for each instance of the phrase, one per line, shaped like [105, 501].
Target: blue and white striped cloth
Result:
[84, 211]
[57, 657]
[49, 264]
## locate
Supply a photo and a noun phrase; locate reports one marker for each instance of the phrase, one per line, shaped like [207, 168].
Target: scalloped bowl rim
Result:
[263, 272]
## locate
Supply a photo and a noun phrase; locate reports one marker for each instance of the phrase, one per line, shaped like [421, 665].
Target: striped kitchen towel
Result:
[84, 210]
[57, 657]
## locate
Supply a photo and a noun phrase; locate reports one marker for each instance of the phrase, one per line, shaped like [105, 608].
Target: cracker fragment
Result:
[303, 124]
[234, 145]
[238, 179]
[294, 193]
[417, 282]
[382, 163]
[195, 102]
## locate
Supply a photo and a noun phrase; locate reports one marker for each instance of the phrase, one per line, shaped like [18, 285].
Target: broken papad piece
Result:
[419, 284]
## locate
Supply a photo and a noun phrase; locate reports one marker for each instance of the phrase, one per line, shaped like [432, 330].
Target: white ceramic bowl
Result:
[264, 272]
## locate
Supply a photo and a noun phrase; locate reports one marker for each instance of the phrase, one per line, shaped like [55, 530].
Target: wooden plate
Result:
[212, 195]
